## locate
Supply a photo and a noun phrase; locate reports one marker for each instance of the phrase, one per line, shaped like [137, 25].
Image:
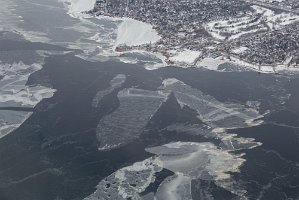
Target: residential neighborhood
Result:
[268, 36]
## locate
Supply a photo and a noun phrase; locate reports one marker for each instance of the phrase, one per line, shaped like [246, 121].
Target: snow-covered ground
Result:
[263, 68]
[185, 57]
[210, 63]
[276, 20]
[239, 50]
[236, 27]
[132, 33]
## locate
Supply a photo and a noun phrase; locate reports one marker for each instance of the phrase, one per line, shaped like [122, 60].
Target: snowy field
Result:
[274, 20]
[254, 22]
[185, 57]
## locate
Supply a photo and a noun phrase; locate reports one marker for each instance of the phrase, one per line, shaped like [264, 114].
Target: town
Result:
[255, 32]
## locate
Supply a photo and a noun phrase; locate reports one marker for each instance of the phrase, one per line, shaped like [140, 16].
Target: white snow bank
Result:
[132, 32]
[186, 56]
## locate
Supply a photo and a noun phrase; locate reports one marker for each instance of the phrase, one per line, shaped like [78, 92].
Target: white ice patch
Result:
[11, 21]
[133, 33]
[15, 93]
[210, 63]
[177, 187]
[187, 160]
[228, 141]
[126, 122]
[127, 182]
[198, 160]
[186, 56]
[169, 81]
[190, 160]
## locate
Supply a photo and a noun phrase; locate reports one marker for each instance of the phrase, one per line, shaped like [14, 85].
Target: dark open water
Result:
[54, 154]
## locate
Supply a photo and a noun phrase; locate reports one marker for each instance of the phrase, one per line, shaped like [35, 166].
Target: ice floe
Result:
[136, 108]
[198, 160]
[13, 88]
[187, 160]
[176, 187]
[193, 161]
[127, 182]
[214, 113]
[15, 93]
[115, 83]
[210, 63]
[10, 120]
[229, 141]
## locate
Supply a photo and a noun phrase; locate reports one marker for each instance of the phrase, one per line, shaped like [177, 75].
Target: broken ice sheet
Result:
[198, 160]
[13, 88]
[127, 182]
[136, 108]
[187, 160]
[115, 83]
[229, 141]
[10, 120]
[211, 111]
[15, 93]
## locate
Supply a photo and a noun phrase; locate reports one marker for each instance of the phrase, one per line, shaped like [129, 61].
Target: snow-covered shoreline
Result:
[133, 33]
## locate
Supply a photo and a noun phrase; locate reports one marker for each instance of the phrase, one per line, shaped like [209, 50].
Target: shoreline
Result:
[129, 29]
